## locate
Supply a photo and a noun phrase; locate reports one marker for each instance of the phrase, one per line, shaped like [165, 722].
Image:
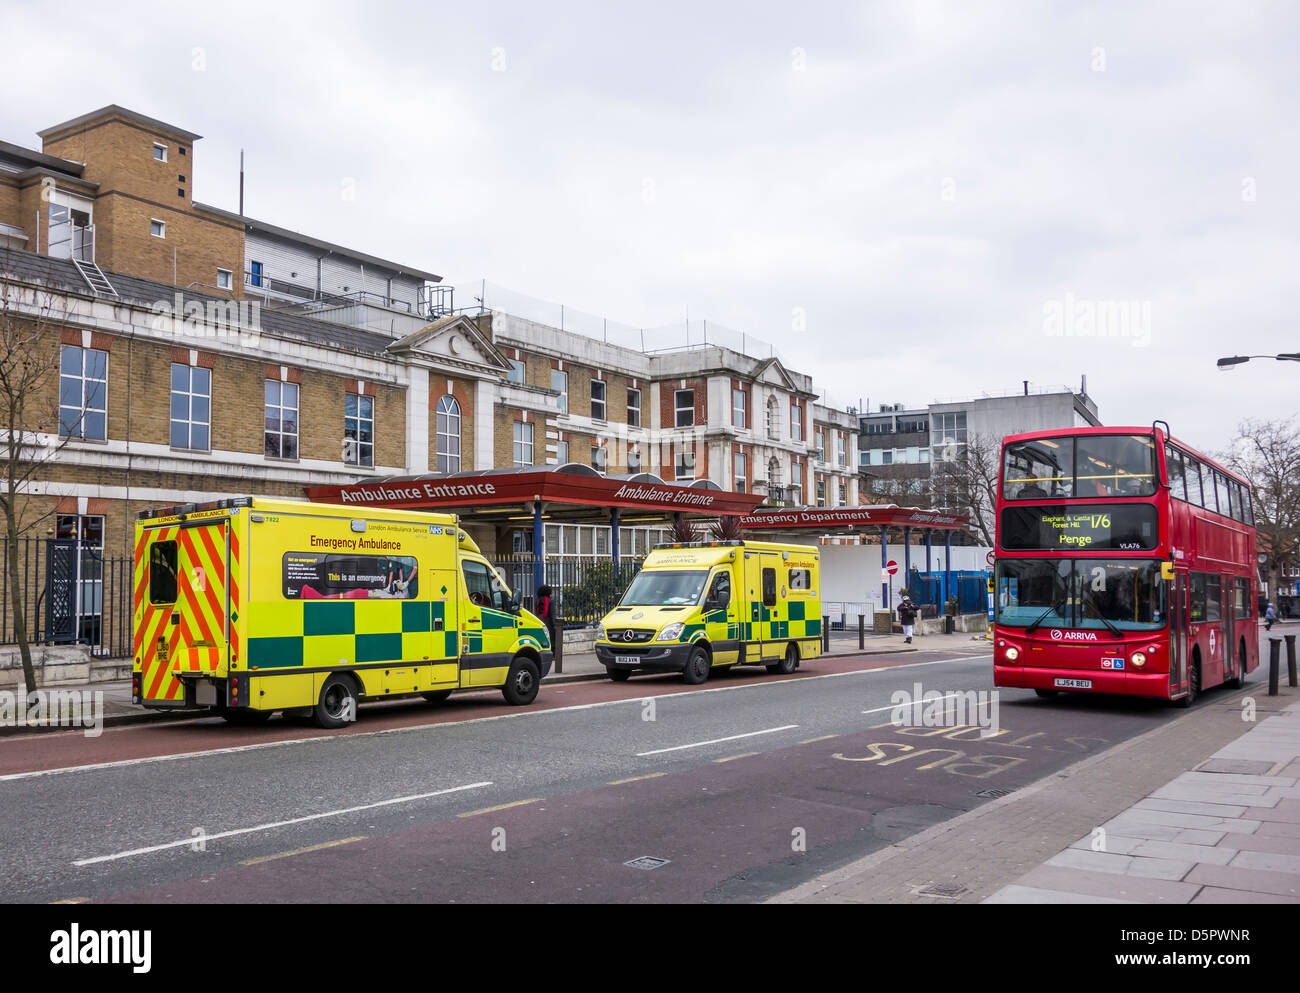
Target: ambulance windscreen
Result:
[665, 588]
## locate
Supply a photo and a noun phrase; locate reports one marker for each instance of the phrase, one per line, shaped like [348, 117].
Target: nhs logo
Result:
[1112, 663]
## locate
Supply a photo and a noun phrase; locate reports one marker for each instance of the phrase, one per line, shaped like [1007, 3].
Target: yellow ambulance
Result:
[247, 606]
[700, 606]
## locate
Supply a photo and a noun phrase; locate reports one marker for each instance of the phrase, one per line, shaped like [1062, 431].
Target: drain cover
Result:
[646, 862]
[993, 794]
[947, 891]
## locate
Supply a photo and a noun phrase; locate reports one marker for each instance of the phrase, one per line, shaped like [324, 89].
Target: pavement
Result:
[575, 667]
[1202, 809]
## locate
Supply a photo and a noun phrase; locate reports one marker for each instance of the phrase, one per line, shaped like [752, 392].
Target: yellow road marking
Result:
[825, 737]
[637, 779]
[732, 758]
[503, 806]
[75, 899]
[302, 851]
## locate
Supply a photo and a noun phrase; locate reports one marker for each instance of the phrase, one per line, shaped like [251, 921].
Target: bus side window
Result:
[769, 587]
[1197, 597]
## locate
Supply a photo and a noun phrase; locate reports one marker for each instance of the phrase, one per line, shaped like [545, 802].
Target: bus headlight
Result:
[1139, 659]
[1013, 653]
[672, 632]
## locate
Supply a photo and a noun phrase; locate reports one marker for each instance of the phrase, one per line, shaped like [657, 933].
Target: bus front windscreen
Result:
[1107, 465]
[665, 588]
[1114, 595]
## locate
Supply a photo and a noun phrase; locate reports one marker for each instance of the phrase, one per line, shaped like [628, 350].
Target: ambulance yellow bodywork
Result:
[247, 606]
[701, 606]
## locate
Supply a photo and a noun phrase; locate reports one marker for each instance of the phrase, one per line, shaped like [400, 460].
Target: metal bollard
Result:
[1274, 658]
[1290, 658]
[826, 632]
[862, 631]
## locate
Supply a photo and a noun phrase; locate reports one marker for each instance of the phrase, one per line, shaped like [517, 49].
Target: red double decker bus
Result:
[1125, 564]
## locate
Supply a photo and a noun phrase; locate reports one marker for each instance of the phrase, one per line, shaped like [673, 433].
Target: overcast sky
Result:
[900, 196]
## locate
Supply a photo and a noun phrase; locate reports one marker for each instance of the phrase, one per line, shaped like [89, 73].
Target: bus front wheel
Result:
[1193, 684]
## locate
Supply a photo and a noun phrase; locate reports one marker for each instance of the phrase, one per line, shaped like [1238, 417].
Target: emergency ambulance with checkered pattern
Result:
[249, 606]
[703, 607]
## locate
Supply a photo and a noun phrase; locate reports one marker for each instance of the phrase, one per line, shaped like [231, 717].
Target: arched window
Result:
[448, 429]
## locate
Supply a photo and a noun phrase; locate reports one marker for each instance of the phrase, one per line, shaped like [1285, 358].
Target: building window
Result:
[224, 279]
[561, 452]
[821, 493]
[598, 399]
[159, 152]
[844, 493]
[796, 422]
[88, 581]
[842, 449]
[821, 445]
[684, 408]
[633, 460]
[447, 428]
[949, 434]
[599, 458]
[773, 418]
[560, 384]
[633, 408]
[738, 399]
[741, 484]
[83, 393]
[516, 373]
[157, 228]
[255, 273]
[191, 407]
[796, 479]
[684, 465]
[359, 430]
[281, 420]
[523, 444]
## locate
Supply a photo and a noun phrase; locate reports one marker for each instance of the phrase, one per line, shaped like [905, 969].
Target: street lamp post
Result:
[1232, 361]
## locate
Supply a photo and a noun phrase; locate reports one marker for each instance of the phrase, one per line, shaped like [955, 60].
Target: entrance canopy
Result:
[570, 493]
[847, 520]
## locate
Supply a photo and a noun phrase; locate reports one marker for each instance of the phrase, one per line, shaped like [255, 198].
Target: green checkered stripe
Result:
[800, 626]
[322, 632]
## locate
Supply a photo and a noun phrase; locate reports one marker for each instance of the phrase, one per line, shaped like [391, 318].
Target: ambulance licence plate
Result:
[627, 660]
[1074, 684]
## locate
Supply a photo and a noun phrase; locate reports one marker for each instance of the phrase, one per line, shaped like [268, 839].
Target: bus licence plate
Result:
[1074, 684]
[627, 660]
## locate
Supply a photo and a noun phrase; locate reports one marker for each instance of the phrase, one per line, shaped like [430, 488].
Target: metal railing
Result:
[67, 592]
[585, 589]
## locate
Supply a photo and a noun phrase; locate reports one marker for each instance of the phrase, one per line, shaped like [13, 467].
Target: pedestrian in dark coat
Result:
[907, 617]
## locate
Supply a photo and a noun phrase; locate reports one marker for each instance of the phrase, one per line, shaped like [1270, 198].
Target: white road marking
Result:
[233, 749]
[918, 703]
[717, 741]
[276, 824]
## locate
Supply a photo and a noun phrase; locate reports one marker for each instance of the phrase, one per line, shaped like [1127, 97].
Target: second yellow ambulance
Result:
[703, 606]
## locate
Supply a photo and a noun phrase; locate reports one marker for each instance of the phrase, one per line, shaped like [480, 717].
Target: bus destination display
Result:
[1098, 527]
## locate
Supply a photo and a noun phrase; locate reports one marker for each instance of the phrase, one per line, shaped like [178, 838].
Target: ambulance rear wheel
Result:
[522, 684]
[788, 664]
[619, 675]
[437, 696]
[337, 707]
[697, 669]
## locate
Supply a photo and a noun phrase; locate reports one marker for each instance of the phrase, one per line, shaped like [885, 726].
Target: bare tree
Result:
[29, 421]
[966, 482]
[1268, 454]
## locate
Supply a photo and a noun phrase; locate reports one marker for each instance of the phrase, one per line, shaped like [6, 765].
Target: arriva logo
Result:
[1059, 635]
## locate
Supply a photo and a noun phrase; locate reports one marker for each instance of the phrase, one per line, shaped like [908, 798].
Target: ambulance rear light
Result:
[135, 686]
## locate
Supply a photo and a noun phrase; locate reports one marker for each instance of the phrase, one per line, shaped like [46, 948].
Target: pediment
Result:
[453, 341]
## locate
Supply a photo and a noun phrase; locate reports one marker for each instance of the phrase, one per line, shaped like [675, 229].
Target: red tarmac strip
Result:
[44, 751]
